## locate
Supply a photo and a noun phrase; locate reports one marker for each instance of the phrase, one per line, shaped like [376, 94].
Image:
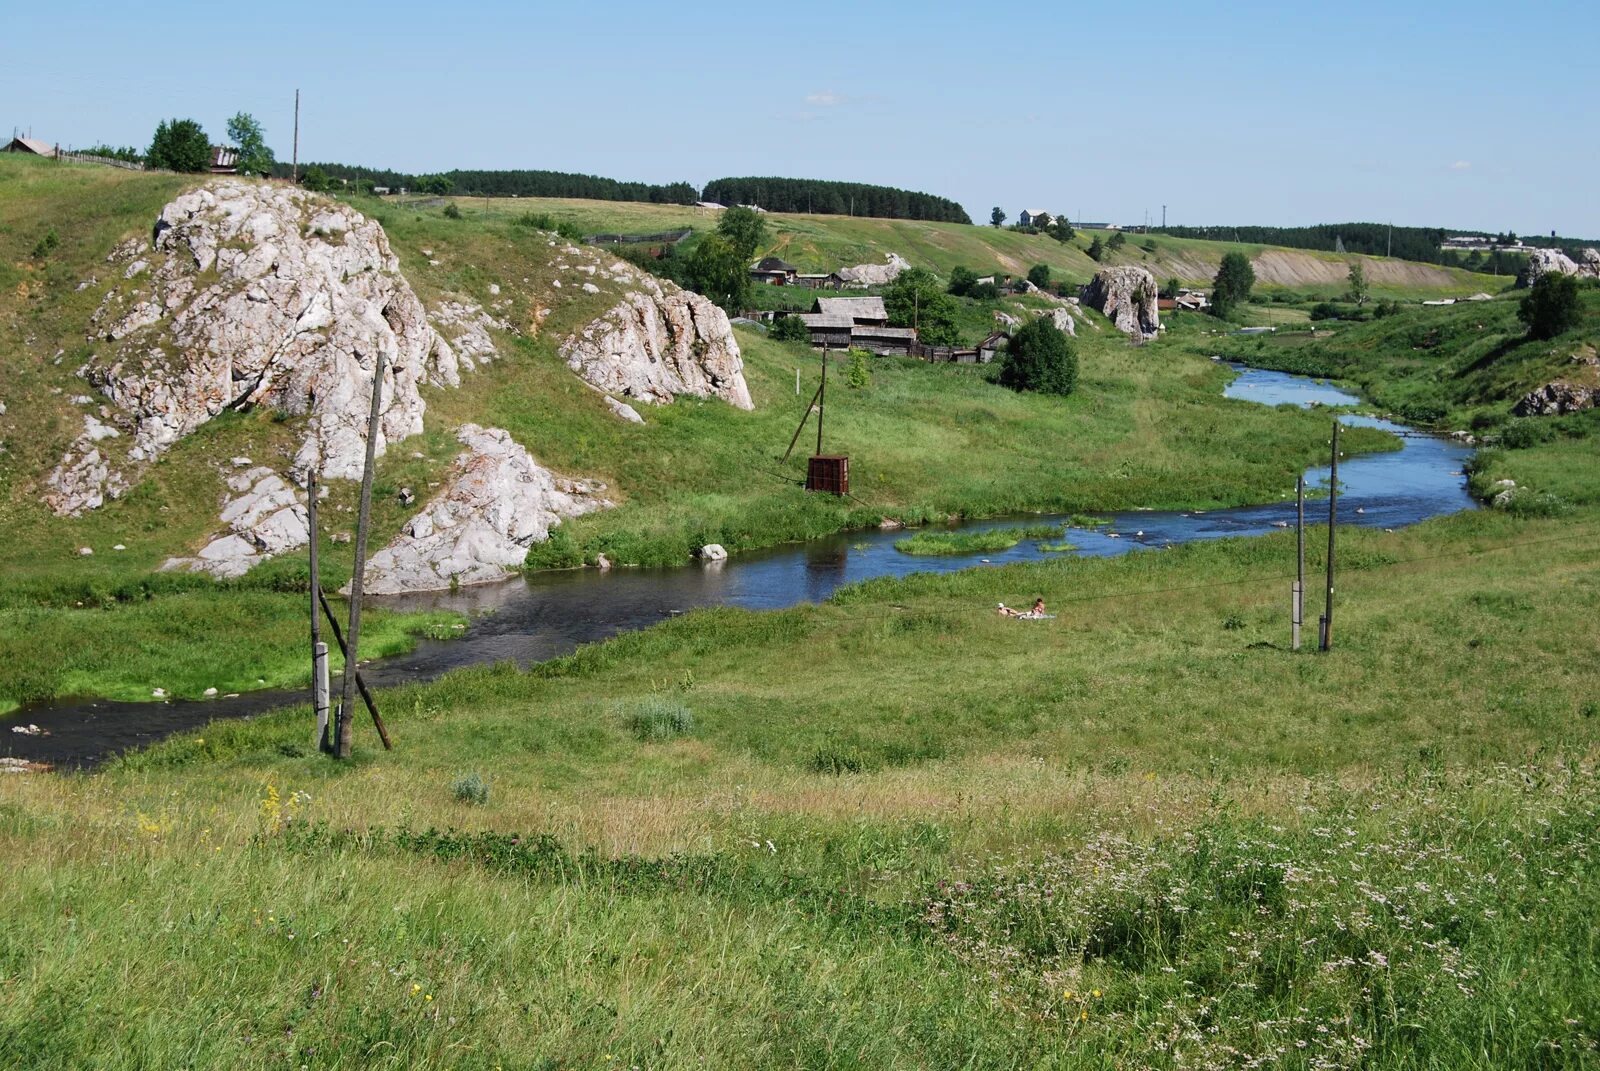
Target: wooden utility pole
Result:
[319, 650]
[822, 396]
[358, 573]
[1333, 523]
[294, 169]
[1299, 557]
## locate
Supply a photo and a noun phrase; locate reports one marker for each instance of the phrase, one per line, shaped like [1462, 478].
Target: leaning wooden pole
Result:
[361, 682]
[822, 397]
[358, 572]
[1333, 524]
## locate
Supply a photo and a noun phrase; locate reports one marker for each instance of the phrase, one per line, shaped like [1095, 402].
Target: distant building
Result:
[1035, 217]
[32, 146]
[380, 191]
[709, 206]
[856, 322]
[224, 160]
[863, 311]
[819, 281]
[773, 272]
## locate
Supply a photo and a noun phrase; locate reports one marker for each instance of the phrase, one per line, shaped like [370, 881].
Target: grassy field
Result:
[1147, 428]
[1143, 834]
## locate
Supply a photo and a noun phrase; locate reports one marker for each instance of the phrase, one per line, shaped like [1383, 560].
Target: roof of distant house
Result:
[773, 264]
[857, 308]
[224, 157]
[1035, 213]
[33, 145]
[824, 319]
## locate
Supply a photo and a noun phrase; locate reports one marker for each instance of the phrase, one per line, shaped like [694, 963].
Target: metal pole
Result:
[1333, 522]
[320, 691]
[319, 650]
[359, 570]
[1299, 558]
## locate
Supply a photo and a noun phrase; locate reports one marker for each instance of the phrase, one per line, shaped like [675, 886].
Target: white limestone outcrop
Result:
[1127, 295]
[496, 503]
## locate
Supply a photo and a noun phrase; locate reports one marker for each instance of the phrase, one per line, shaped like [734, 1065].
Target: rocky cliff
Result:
[252, 294]
[659, 342]
[496, 502]
[1127, 296]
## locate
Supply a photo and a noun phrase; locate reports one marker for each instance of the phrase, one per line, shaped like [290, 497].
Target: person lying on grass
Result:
[1035, 614]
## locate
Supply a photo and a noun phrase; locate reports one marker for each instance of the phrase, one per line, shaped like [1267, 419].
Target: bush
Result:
[1040, 358]
[1324, 310]
[544, 221]
[470, 788]
[962, 280]
[1551, 307]
[1525, 432]
[789, 329]
[1039, 275]
[179, 145]
[451, 211]
[858, 376]
[984, 292]
[46, 245]
[659, 718]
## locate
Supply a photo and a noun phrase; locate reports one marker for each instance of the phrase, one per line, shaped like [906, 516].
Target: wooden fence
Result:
[106, 161]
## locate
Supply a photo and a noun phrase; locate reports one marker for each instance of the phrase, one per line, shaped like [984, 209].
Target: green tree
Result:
[789, 329]
[997, 216]
[1231, 287]
[962, 280]
[1040, 358]
[1551, 306]
[717, 270]
[1061, 230]
[1170, 290]
[179, 145]
[316, 179]
[439, 185]
[744, 230]
[915, 299]
[1358, 283]
[1039, 275]
[1097, 249]
[1118, 240]
[248, 137]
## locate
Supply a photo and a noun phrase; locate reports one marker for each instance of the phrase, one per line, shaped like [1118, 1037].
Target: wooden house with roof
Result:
[32, 146]
[774, 271]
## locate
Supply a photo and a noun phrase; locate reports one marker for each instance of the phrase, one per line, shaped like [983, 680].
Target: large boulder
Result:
[658, 342]
[254, 294]
[264, 517]
[1586, 265]
[875, 274]
[496, 503]
[1127, 295]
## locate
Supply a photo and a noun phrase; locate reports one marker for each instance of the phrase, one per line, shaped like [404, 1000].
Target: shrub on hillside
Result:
[858, 376]
[962, 280]
[1041, 358]
[789, 329]
[46, 245]
[659, 718]
[984, 292]
[451, 211]
[1039, 275]
[1551, 306]
[179, 145]
[1231, 287]
[470, 788]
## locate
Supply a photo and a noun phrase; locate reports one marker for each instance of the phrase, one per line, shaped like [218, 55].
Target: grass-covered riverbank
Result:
[1141, 834]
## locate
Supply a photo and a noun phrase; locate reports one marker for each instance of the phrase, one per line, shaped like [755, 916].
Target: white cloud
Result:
[1461, 165]
[826, 98]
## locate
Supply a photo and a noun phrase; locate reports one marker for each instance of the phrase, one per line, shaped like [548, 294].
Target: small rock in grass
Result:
[713, 552]
[119, 546]
[209, 692]
[85, 551]
[159, 693]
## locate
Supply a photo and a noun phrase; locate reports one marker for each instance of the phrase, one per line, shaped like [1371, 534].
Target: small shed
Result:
[812, 281]
[224, 160]
[991, 346]
[33, 147]
[884, 341]
[828, 330]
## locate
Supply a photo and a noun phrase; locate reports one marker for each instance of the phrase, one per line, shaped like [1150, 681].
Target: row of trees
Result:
[519, 183]
[834, 199]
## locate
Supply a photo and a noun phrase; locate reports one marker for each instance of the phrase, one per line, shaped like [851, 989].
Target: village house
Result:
[773, 272]
[32, 146]
[856, 323]
[224, 160]
[1035, 217]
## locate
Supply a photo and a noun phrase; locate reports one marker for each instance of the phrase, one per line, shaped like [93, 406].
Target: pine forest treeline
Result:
[834, 199]
[513, 183]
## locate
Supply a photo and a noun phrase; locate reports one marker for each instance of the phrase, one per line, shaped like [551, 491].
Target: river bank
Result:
[547, 615]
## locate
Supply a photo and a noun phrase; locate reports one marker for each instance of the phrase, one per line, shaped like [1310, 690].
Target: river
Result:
[550, 614]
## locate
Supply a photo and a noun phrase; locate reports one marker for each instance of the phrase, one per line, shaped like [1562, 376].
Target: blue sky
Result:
[1465, 114]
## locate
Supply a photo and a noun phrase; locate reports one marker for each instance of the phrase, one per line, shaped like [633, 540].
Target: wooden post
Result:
[358, 572]
[807, 416]
[1299, 557]
[822, 396]
[1333, 521]
[294, 169]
